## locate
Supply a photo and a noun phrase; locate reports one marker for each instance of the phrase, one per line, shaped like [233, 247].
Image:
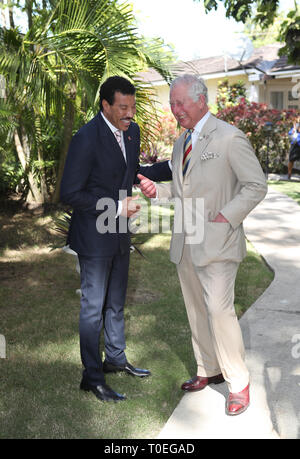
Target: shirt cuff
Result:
[120, 208]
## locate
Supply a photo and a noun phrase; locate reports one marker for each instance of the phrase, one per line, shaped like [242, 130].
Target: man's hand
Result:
[147, 187]
[129, 207]
[220, 219]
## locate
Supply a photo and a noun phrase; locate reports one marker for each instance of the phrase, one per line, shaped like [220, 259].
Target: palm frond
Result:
[61, 228]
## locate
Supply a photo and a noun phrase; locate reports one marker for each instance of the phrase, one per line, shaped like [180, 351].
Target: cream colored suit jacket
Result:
[226, 174]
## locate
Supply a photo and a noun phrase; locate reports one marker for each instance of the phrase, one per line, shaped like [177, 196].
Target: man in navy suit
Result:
[100, 170]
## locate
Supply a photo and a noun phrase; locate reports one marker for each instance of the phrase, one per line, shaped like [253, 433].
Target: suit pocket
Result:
[217, 236]
[217, 244]
[221, 243]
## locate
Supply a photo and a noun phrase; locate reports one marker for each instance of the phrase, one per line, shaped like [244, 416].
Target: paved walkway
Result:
[271, 330]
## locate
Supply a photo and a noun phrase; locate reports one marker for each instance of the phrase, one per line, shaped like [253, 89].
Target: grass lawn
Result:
[39, 309]
[290, 188]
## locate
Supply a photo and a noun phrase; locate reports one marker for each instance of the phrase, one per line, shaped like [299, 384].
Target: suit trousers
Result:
[208, 293]
[103, 293]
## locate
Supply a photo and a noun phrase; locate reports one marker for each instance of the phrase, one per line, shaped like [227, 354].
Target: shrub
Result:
[229, 95]
[11, 176]
[167, 131]
[251, 118]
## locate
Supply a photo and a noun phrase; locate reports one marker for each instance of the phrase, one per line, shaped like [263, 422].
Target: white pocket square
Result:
[209, 155]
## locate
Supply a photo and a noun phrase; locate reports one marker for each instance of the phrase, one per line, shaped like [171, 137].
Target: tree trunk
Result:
[28, 8]
[39, 143]
[11, 17]
[67, 136]
[44, 191]
[3, 17]
[23, 152]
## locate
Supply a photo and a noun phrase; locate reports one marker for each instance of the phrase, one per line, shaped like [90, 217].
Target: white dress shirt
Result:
[198, 128]
[196, 132]
[113, 130]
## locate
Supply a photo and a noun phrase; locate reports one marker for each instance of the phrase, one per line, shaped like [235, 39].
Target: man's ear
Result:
[202, 100]
[105, 105]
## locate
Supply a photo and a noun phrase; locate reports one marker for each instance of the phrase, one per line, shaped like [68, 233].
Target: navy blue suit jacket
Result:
[158, 172]
[95, 168]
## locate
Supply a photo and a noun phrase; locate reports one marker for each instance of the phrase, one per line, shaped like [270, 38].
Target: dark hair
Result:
[112, 85]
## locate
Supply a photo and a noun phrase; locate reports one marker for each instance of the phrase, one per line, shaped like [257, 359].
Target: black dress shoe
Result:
[127, 367]
[103, 392]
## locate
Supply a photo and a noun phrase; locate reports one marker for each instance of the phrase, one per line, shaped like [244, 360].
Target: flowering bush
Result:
[229, 95]
[251, 118]
[167, 131]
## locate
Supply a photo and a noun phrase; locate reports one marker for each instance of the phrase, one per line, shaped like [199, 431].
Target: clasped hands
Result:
[148, 188]
[130, 207]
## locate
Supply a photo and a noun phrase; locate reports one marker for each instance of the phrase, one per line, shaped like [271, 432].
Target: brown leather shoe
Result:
[200, 382]
[237, 403]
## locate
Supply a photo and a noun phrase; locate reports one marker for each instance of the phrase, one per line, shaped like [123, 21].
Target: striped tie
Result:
[187, 150]
[118, 137]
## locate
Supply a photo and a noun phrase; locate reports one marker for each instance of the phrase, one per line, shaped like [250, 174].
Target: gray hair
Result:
[195, 83]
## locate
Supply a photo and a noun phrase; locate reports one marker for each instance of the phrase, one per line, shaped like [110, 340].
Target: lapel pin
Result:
[129, 138]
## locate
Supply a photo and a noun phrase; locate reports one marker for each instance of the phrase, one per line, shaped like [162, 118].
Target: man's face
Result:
[186, 111]
[121, 112]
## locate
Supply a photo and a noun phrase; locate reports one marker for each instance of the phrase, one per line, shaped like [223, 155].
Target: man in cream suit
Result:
[224, 175]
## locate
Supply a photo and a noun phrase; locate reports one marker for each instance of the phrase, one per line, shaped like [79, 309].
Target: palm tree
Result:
[54, 72]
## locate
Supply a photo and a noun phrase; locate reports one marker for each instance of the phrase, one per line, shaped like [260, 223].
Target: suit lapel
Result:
[128, 142]
[110, 141]
[178, 157]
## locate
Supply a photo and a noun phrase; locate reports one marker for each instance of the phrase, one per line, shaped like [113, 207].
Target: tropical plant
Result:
[53, 73]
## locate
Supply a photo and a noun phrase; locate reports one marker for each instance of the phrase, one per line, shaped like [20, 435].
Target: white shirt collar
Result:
[111, 126]
[114, 129]
[199, 126]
